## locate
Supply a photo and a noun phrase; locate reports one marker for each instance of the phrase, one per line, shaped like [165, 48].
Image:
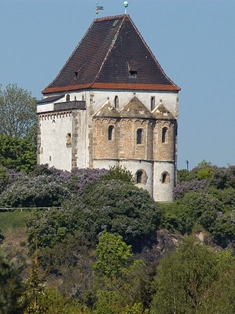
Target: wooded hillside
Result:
[101, 245]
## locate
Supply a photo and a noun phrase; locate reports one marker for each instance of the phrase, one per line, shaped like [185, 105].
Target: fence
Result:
[12, 209]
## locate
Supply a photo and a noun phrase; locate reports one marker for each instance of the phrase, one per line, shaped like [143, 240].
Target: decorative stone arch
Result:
[140, 177]
[165, 177]
[110, 132]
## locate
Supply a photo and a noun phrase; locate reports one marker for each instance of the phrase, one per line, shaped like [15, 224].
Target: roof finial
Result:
[98, 9]
[125, 6]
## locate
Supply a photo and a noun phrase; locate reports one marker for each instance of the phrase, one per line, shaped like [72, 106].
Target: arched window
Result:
[110, 132]
[67, 97]
[164, 135]
[139, 136]
[116, 102]
[152, 103]
[141, 177]
[165, 177]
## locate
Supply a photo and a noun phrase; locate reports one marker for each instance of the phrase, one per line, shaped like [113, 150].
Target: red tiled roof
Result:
[111, 55]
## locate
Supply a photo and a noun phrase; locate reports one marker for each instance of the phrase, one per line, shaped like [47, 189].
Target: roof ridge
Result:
[108, 18]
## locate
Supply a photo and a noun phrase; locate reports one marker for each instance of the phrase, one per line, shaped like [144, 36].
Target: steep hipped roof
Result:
[111, 55]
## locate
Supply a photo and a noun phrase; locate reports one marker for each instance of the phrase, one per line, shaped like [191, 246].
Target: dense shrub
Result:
[115, 206]
[41, 191]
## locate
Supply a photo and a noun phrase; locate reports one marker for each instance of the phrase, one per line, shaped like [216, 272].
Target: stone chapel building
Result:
[112, 105]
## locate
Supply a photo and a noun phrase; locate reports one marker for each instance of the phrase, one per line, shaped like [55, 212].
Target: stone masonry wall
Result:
[164, 150]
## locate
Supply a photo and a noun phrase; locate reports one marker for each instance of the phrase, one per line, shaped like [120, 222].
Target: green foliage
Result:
[17, 111]
[112, 256]
[122, 209]
[221, 294]
[13, 221]
[205, 173]
[1, 236]
[119, 173]
[204, 164]
[17, 153]
[185, 175]
[12, 288]
[184, 277]
[115, 277]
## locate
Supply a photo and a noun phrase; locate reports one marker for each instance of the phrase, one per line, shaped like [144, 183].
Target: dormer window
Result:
[132, 69]
[133, 74]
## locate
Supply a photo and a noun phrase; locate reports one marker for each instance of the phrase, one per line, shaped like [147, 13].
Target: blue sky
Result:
[193, 40]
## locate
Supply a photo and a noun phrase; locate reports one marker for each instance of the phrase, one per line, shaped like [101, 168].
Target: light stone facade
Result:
[140, 134]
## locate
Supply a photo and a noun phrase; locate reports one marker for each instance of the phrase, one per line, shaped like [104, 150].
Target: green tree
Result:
[17, 153]
[221, 295]
[12, 288]
[118, 288]
[119, 173]
[17, 111]
[184, 278]
[112, 256]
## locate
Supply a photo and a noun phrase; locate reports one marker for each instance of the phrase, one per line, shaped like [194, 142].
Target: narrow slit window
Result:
[116, 102]
[68, 139]
[110, 132]
[164, 135]
[139, 137]
[152, 103]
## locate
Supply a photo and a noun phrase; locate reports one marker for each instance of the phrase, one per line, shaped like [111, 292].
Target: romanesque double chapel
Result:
[112, 105]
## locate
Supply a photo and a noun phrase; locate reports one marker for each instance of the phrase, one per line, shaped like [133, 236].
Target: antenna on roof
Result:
[125, 6]
[98, 9]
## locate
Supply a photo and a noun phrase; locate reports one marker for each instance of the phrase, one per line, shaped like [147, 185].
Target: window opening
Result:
[165, 177]
[152, 103]
[139, 176]
[164, 132]
[139, 136]
[133, 74]
[68, 139]
[67, 97]
[116, 102]
[110, 132]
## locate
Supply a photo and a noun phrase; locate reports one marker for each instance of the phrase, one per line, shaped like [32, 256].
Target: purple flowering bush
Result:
[41, 191]
[189, 186]
[44, 187]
